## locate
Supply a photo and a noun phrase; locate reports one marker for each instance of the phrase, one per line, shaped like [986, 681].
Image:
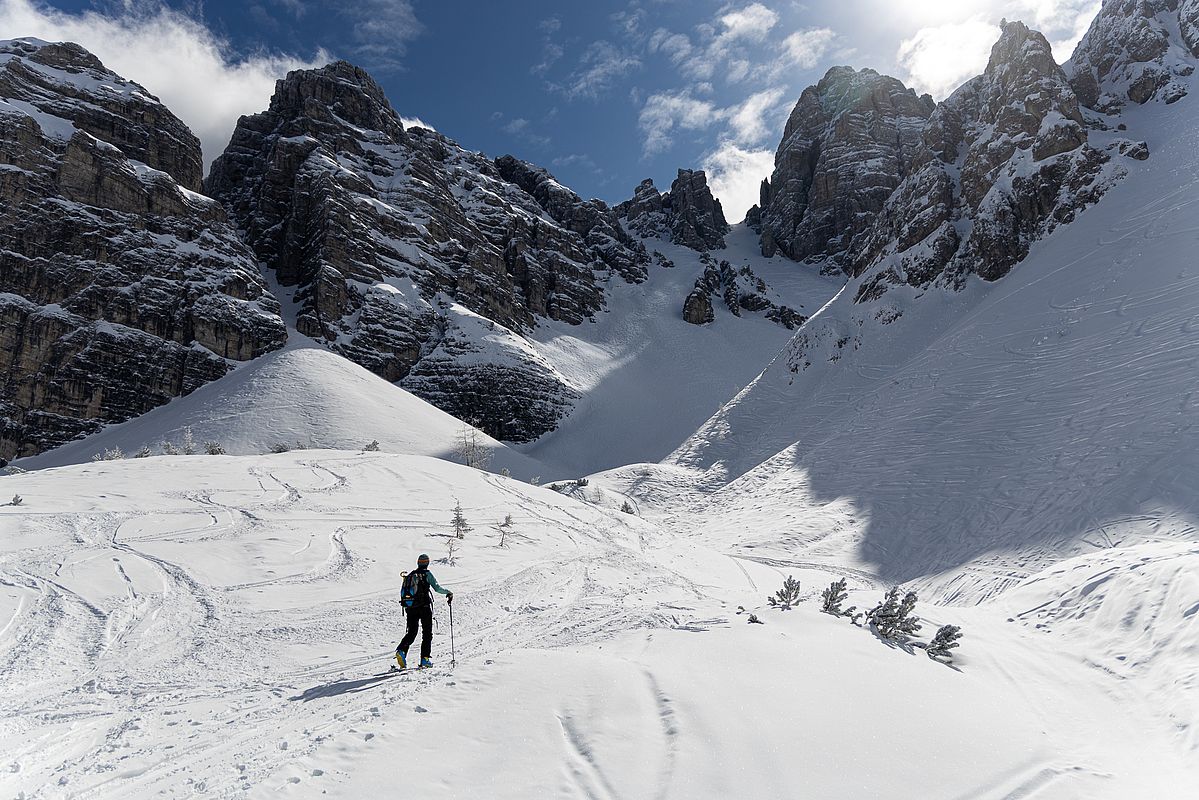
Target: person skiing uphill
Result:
[418, 605]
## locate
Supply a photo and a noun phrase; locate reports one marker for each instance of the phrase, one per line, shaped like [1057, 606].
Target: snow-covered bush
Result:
[189, 442]
[451, 557]
[626, 508]
[14, 470]
[280, 447]
[373, 447]
[535, 480]
[505, 473]
[458, 522]
[169, 449]
[214, 448]
[893, 618]
[144, 452]
[109, 454]
[944, 640]
[832, 598]
[581, 482]
[787, 596]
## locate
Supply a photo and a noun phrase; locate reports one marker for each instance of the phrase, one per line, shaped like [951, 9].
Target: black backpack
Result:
[414, 592]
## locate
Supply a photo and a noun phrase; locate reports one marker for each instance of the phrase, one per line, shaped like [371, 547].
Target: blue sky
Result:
[602, 93]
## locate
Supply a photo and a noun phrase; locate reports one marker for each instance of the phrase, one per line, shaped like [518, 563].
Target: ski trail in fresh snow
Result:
[235, 645]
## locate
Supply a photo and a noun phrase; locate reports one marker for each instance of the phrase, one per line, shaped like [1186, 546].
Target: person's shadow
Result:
[343, 687]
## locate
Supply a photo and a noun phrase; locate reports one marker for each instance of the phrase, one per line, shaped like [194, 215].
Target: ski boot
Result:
[426, 662]
[401, 658]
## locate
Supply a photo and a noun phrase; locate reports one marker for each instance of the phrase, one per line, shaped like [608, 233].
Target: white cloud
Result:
[939, 59]
[747, 124]
[805, 48]
[748, 121]
[175, 57]
[664, 112]
[601, 65]
[381, 30]
[718, 43]
[735, 175]
[955, 40]
[751, 23]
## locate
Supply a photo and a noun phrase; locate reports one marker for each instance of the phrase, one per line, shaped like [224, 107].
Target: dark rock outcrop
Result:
[687, 215]
[848, 143]
[120, 286]
[741, 290]
[367, 224]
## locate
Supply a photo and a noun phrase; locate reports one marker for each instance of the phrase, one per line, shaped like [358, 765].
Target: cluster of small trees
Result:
[893, 619]
[188, 446]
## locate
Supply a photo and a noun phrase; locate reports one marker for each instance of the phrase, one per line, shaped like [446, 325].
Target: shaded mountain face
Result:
[687, 215]
[413, 257]
[848, 143]
[121, 287]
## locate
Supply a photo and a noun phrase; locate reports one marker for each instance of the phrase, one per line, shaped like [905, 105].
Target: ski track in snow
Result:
[223, 626]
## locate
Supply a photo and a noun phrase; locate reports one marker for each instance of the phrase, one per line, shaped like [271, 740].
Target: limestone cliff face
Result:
[688, 214]
[120, 286]
[394, 242]
[849, 142]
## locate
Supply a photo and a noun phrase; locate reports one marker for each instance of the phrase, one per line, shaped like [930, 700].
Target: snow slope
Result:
[219, 625]
[648, 379]
[989, 433]
[302, 395]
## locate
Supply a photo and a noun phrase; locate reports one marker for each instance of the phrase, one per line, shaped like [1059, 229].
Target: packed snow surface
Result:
[222, 626]
[300, 397]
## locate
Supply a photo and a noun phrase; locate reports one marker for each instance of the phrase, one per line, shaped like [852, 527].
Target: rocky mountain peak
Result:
[120, 287]
[847, 144]
[67, 82]
[422, 261]
[688, 214]
[1136, 50]
[335, 94]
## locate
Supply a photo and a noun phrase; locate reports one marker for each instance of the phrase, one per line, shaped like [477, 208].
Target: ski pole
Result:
[453, 659]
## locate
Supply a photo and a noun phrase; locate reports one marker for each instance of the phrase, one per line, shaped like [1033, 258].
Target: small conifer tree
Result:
[458, 522]
[786, 597]
[189, 442]
[505, 528]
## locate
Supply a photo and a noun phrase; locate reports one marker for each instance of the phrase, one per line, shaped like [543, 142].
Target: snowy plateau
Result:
[199, 586]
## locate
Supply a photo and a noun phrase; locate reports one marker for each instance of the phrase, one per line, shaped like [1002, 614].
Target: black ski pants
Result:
[423, 616]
